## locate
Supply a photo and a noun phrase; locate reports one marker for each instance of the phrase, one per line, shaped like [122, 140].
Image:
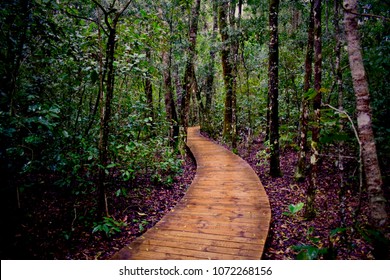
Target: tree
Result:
[190, 84]
[377, 202]
[339, 82]
[209, 83]
[227, 69]
[273, 89]
[315, 137]
[300, 172]
[111, 19]
[170, 107]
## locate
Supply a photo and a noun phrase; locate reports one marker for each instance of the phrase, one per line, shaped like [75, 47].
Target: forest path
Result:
[225, 213]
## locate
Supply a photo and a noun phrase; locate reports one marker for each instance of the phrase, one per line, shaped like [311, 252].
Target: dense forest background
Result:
[96, 96]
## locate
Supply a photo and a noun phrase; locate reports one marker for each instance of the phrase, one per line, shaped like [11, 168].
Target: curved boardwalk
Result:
[225, 213]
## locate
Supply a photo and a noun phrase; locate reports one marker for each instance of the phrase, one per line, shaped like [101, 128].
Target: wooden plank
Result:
[211, 218]
[235, 229]
[210, 242]
[218, 237]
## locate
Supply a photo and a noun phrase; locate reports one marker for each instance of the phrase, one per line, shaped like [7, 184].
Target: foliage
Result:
[263, 155]
[315, 249]
[141, 224]
[138, 158]
[152, 156]
[109, 226]
[293, 209]
[375, 43]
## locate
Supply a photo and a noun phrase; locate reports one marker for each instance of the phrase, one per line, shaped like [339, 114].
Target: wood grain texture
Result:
[224, 215]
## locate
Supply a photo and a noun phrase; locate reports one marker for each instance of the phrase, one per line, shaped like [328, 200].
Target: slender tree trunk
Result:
[312, 186]
[189, 75]
[227, 69]
[235, 24]
[207, 123]
[170, 107]
[105, 121]
[105, 116]
[300, 172]
[377, 201]
[339, 78]
[248, 92]
[102, 202]
[273, 90]
[149, 87]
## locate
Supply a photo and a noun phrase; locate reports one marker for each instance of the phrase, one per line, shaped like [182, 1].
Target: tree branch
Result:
[106, 14]
[366, 15]
[124, 9]
[100, 6]
[77, 16]
[85, 18]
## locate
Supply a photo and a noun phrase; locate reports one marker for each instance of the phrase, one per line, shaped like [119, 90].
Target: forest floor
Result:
[58, 225]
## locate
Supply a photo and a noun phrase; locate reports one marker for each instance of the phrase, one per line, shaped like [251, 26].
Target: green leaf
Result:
[296, 208]
[307, 252]
[310, 94]
[111, 165]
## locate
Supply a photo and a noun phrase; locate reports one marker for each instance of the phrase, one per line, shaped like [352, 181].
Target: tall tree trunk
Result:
[235, 24]
[377, 201]
[273, 90]
[170, 107]
[189, 75]
[105, 116]
[339, 78]
[227, 69]
[207, 123]
[300, 172]
[312, 186]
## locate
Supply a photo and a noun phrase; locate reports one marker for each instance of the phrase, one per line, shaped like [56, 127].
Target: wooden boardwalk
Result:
[225, 213]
